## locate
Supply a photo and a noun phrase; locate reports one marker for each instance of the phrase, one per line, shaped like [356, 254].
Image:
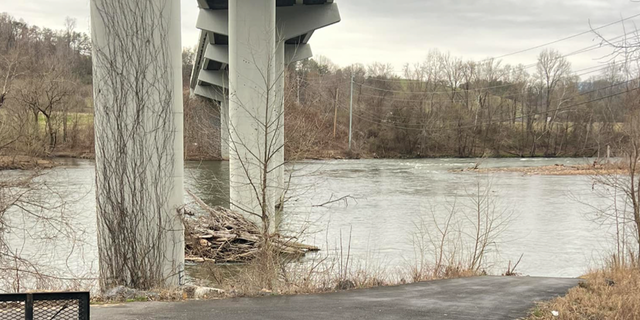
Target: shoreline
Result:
[557, 170]
[24, 162]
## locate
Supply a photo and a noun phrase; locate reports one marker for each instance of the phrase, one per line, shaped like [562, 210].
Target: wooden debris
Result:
[198, 259]
[221, 235]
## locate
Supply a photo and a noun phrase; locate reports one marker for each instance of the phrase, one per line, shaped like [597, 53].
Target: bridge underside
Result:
[296, 21]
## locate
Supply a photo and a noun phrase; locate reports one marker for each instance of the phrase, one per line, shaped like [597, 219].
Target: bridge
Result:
[243, 50]
[240, 62]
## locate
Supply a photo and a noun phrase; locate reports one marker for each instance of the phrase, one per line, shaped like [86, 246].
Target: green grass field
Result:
[82, 118]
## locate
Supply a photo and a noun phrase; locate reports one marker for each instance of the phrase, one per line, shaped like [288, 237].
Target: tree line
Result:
[446, 106]
[442, 106]
[45, 88]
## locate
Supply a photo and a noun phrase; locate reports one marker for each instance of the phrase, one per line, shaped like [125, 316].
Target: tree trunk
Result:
[64, 126]
[52, 133]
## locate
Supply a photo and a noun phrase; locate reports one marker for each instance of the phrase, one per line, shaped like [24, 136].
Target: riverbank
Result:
[613, 293]
[557, 169]
[25, 163]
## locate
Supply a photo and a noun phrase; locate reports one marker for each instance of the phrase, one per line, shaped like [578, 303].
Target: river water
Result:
[386, 200]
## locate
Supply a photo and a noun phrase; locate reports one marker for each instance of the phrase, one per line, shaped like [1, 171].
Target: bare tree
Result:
[270, 125]
[47, 92]
[553, 69]
[458, 239]
[201, 137]
[10, 69]
[624, 189]
[624, 192]
[33, 212]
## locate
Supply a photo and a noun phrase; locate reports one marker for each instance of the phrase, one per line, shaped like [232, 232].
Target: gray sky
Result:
[403, 31]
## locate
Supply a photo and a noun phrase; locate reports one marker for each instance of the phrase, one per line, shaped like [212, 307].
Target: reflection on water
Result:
[389, 196]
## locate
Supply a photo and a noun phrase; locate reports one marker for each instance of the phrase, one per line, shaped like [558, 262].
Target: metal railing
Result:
[45, 306]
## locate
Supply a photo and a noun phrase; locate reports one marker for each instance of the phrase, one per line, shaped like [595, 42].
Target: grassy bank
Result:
[613, 293]
[317, 275]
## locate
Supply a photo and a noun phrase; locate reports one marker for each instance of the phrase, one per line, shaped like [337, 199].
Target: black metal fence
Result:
[45, 306]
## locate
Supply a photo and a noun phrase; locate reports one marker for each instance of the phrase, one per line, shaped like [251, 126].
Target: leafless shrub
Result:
[623, 191]
[47, 94]
[201, 136]
[33, 217]
[458, 243]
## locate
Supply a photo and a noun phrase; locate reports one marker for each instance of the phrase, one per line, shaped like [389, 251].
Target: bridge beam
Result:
[216, 21]
[293, 53]
[297, 21]
[217, 78]
[210, 92]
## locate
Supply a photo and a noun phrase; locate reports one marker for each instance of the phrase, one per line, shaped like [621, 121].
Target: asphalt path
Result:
[467, 298]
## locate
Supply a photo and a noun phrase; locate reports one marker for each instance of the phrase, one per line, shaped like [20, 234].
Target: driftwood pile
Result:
[221, 235]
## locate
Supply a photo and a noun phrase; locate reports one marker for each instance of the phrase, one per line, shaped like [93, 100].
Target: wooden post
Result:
[335, 113]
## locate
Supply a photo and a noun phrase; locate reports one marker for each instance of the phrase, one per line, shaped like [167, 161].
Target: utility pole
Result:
[351, 113]
[335, 113]
[298, 87]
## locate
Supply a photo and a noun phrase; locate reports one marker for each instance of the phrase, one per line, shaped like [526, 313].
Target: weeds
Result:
[612, 293]
[451, 247]
[458, 244]
[271, 272]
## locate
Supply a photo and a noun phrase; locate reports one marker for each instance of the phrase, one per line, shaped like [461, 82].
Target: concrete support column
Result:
[280, 67]
[139, 142]
[173, 266]
[224, 128]
[253, 116]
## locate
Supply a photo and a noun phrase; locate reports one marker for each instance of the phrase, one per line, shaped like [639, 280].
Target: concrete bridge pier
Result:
[280, 69]
[253, 106]
[139, 141]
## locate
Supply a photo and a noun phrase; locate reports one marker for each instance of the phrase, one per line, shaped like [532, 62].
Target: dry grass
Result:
[24, 163]
[250, 281]
[257, 278]
[613, 293]
[320, 273]
[453, 248]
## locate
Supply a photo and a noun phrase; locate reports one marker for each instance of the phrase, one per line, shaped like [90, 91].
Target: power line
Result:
[565, 38]
[463, 91]
[560, 109]
[526, 66]
[530, 65]
[454, 90]
[583, 50]
[475, 89]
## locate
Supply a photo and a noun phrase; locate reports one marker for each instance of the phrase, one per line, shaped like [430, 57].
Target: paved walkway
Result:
[469, 298]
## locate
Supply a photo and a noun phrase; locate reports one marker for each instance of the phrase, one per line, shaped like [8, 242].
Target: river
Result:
[550, 222]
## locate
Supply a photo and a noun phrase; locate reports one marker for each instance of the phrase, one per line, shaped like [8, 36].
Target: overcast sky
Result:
[403, 31]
